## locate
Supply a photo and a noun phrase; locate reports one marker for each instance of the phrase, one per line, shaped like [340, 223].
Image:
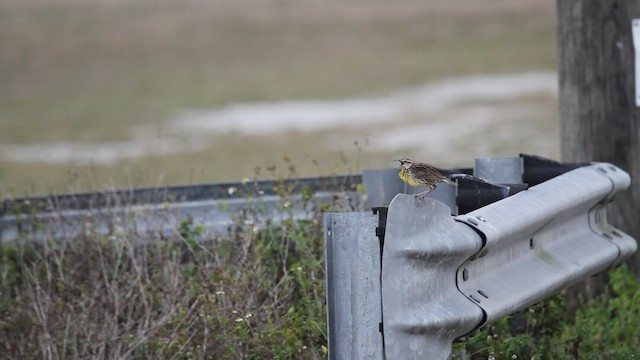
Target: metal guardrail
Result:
[539, 241]
[159, 211]
[155, 212]
[431, 277]
[173, 194]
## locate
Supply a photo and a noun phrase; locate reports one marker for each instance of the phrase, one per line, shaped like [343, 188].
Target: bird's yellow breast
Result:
[404, 175]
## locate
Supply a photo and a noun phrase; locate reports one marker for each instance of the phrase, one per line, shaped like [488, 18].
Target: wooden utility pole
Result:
[599, 119]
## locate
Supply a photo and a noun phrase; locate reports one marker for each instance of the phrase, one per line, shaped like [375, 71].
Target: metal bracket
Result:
[381, 211]
[635, 30]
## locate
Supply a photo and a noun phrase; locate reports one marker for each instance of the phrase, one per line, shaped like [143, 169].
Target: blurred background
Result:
[98, 94]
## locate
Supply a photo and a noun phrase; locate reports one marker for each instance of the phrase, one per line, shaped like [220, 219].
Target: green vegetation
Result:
[255, 294]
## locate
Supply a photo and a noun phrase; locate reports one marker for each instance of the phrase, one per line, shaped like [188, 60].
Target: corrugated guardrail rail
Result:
[160, 210]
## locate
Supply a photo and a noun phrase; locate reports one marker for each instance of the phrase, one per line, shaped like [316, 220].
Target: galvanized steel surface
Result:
[635, 32]
[544, 239]
[505, 170]
[423, 310]
[217, 217]
[158, 212]
[174, 194]
[353, 283]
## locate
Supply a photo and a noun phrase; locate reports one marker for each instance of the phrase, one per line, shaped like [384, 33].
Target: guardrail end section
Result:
[352, 260]
[423, 310]
[598, 219]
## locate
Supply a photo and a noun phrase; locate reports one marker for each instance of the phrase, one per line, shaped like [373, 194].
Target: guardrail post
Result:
[353, 286]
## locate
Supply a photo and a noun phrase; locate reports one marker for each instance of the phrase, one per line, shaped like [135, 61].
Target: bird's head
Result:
[405, 163]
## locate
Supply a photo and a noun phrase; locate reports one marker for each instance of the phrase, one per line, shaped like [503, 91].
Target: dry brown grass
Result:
[255, 293]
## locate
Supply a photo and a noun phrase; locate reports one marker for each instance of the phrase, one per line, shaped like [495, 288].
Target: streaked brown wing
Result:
[427, 173]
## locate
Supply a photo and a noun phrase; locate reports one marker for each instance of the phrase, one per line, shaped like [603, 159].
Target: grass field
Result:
[92, 72]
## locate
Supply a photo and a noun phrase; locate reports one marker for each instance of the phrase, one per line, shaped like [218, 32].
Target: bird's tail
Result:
[450, 182]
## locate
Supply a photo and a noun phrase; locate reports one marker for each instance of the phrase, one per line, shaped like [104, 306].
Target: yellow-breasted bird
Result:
[419, 174]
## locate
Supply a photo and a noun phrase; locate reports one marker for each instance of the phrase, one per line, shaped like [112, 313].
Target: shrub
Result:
[253, 294]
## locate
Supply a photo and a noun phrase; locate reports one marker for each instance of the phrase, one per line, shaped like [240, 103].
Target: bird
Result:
[419, 174]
